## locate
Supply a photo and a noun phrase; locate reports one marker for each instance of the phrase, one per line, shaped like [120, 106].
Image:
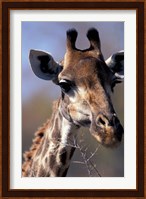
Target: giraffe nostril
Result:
[101, 121]
[110, 120]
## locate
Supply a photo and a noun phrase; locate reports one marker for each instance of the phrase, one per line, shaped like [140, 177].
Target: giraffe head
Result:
[86, 82]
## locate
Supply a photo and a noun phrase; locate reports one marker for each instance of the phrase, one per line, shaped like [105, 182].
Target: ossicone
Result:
[93, 37]
[71, 39]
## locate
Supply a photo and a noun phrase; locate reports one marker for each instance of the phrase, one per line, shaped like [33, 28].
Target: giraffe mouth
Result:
[84, 123]
[107, 130]
[109, 136]
[80, 117]
[83, 119]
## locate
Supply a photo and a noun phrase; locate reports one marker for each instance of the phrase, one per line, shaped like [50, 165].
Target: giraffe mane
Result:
[28, 155]
[36, 142]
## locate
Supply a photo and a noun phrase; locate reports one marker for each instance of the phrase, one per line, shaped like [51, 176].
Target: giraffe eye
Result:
[65, 85]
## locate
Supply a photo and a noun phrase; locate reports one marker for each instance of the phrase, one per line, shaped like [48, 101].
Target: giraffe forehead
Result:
[73, 58]
[78, 68]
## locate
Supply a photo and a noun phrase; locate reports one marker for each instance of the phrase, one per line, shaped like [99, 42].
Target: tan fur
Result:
[28, 155]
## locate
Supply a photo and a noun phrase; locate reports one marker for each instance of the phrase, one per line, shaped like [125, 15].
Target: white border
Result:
[129, 179]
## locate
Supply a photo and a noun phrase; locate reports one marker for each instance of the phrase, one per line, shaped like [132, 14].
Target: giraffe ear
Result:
[116, 64]
[44, 66]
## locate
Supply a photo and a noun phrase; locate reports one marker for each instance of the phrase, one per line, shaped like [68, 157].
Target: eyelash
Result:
[65, 85]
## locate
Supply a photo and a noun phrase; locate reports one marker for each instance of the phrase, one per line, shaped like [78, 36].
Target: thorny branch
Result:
[90, 165]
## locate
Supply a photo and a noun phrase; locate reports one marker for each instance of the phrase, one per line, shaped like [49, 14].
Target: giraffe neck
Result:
[53, 155]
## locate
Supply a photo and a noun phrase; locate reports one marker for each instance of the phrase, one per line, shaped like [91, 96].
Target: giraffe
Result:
[86, 81]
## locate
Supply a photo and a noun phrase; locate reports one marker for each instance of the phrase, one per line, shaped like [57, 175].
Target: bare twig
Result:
[92, 154]
[78, 162]
[87, 160]
[83, 149]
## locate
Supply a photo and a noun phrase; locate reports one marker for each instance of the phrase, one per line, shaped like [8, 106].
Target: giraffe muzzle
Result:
[107, 129]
